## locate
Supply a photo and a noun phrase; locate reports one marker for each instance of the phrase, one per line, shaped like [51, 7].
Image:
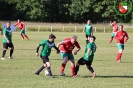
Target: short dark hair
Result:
[51, 36]
[74, 37]
[93, 37]
[121, 26]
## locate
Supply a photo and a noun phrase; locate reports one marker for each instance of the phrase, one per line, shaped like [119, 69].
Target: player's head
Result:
[89, 21]
[121, 27]
[51, 37]
[73, 39]
[19, 20]
[92, 38]
[8, 24]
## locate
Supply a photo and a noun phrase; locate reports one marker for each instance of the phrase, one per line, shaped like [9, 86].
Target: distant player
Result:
[46, 50]
[121, 37]
[66, 47]
[88, 57]
[7, 41]
[88, 30]
[115, 29]
[21, 25]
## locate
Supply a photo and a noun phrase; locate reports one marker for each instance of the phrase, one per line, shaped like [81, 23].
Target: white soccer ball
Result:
[46, 72]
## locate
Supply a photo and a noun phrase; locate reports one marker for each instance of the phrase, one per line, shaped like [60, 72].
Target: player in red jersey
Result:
[121, 37]
[21, 25]
[66, 47]
[115, 29]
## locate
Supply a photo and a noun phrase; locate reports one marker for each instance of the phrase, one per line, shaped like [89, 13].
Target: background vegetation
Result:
[78, 11]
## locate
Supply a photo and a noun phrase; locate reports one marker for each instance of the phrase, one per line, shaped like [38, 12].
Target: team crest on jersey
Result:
[123, 7]
[50, 45]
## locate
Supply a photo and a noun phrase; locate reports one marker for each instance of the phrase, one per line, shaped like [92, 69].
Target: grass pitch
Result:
[19, 72]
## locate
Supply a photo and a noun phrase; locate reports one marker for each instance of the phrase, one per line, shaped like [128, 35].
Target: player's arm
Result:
[16, 24]
[88, 52]
[78, 48]
[4, 34]
[60, 43]
[57, 49]
[126, 37]
[112, 24]
[84, 30]
[37, 49]
[6, 38]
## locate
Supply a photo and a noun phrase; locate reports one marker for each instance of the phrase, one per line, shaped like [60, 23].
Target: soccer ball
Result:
[46, 72]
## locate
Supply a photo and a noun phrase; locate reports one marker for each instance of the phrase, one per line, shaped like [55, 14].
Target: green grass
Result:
[19, 72]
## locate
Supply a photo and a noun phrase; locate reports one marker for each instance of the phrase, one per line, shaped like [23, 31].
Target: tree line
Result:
[78, 11]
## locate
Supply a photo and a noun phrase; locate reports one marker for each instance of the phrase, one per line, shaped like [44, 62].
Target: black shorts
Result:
[6, 45]
[87, 36]
[44, 59]
[81, 61]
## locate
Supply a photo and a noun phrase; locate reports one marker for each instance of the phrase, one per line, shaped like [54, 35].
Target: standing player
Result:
[88, 56]
[7, 41]
[66, 47]
[46, 50]
[21, 25]
[115, 29]
[120, 39]
[88, 30]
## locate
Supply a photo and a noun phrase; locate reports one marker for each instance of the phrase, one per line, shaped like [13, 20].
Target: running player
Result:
[7, 41]
[46, 50]
[21, 25]
[115, 29]
[120, 39]
[88, 31]
[66, 47]
[88, 56]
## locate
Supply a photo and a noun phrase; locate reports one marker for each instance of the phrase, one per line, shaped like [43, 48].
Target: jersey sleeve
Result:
[126, 36]
[4, 31]
[77, 45]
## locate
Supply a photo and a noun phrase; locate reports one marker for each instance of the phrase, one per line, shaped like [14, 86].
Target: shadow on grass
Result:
[125, 76]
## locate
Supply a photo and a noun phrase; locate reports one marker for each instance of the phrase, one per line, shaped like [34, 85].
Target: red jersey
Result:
[68, 46]
[115, 28]
[20, 25]
[120, 36]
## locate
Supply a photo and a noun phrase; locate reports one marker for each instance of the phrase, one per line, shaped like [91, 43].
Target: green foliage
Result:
[61, 11]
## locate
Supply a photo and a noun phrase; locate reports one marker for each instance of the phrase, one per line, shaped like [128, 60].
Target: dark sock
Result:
[3, 54]
[91, 69]
[41, 68]
[11, 52]
[76, 70]
[49, 71]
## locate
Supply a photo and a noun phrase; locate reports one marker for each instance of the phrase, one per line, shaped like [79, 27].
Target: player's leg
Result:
[11, 50]
[21, 34]
[71, 58]
[25, 35]
[79, 62]
[88, 65]
[121, 48]
[63, 65]
[49, 69]
[5, 47]
[42, 67]
[111, 39]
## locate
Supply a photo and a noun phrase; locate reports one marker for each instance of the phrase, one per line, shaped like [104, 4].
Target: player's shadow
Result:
[125, 76]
